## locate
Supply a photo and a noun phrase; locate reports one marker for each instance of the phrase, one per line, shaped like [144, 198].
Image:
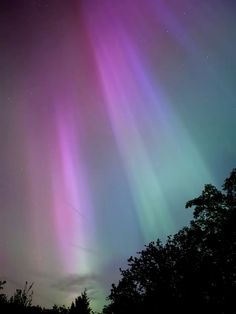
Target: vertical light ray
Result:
[73, 211]
[113, 114]
[120, 89]
[129, 97]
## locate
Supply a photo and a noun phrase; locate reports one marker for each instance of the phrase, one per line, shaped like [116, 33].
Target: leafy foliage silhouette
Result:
[194, 271]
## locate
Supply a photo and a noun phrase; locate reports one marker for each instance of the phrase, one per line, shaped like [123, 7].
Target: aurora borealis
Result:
[113, 114]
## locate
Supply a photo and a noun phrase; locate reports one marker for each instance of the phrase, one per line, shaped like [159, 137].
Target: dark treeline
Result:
[21, 302]
[193, 272]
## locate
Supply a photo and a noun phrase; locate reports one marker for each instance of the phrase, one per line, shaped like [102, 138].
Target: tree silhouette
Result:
[21, 302]
[3, 297]
[195, 271]
[81, 304]
[23, 297]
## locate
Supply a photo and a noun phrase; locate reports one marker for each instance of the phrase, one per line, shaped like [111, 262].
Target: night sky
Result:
[113, 114]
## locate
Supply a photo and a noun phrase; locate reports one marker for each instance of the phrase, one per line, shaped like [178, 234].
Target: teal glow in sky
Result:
[113, 114]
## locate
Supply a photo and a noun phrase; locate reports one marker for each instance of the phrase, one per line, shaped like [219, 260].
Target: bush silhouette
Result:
[194, 271]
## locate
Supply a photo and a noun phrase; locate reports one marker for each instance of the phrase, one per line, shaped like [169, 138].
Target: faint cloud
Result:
[75, 283]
